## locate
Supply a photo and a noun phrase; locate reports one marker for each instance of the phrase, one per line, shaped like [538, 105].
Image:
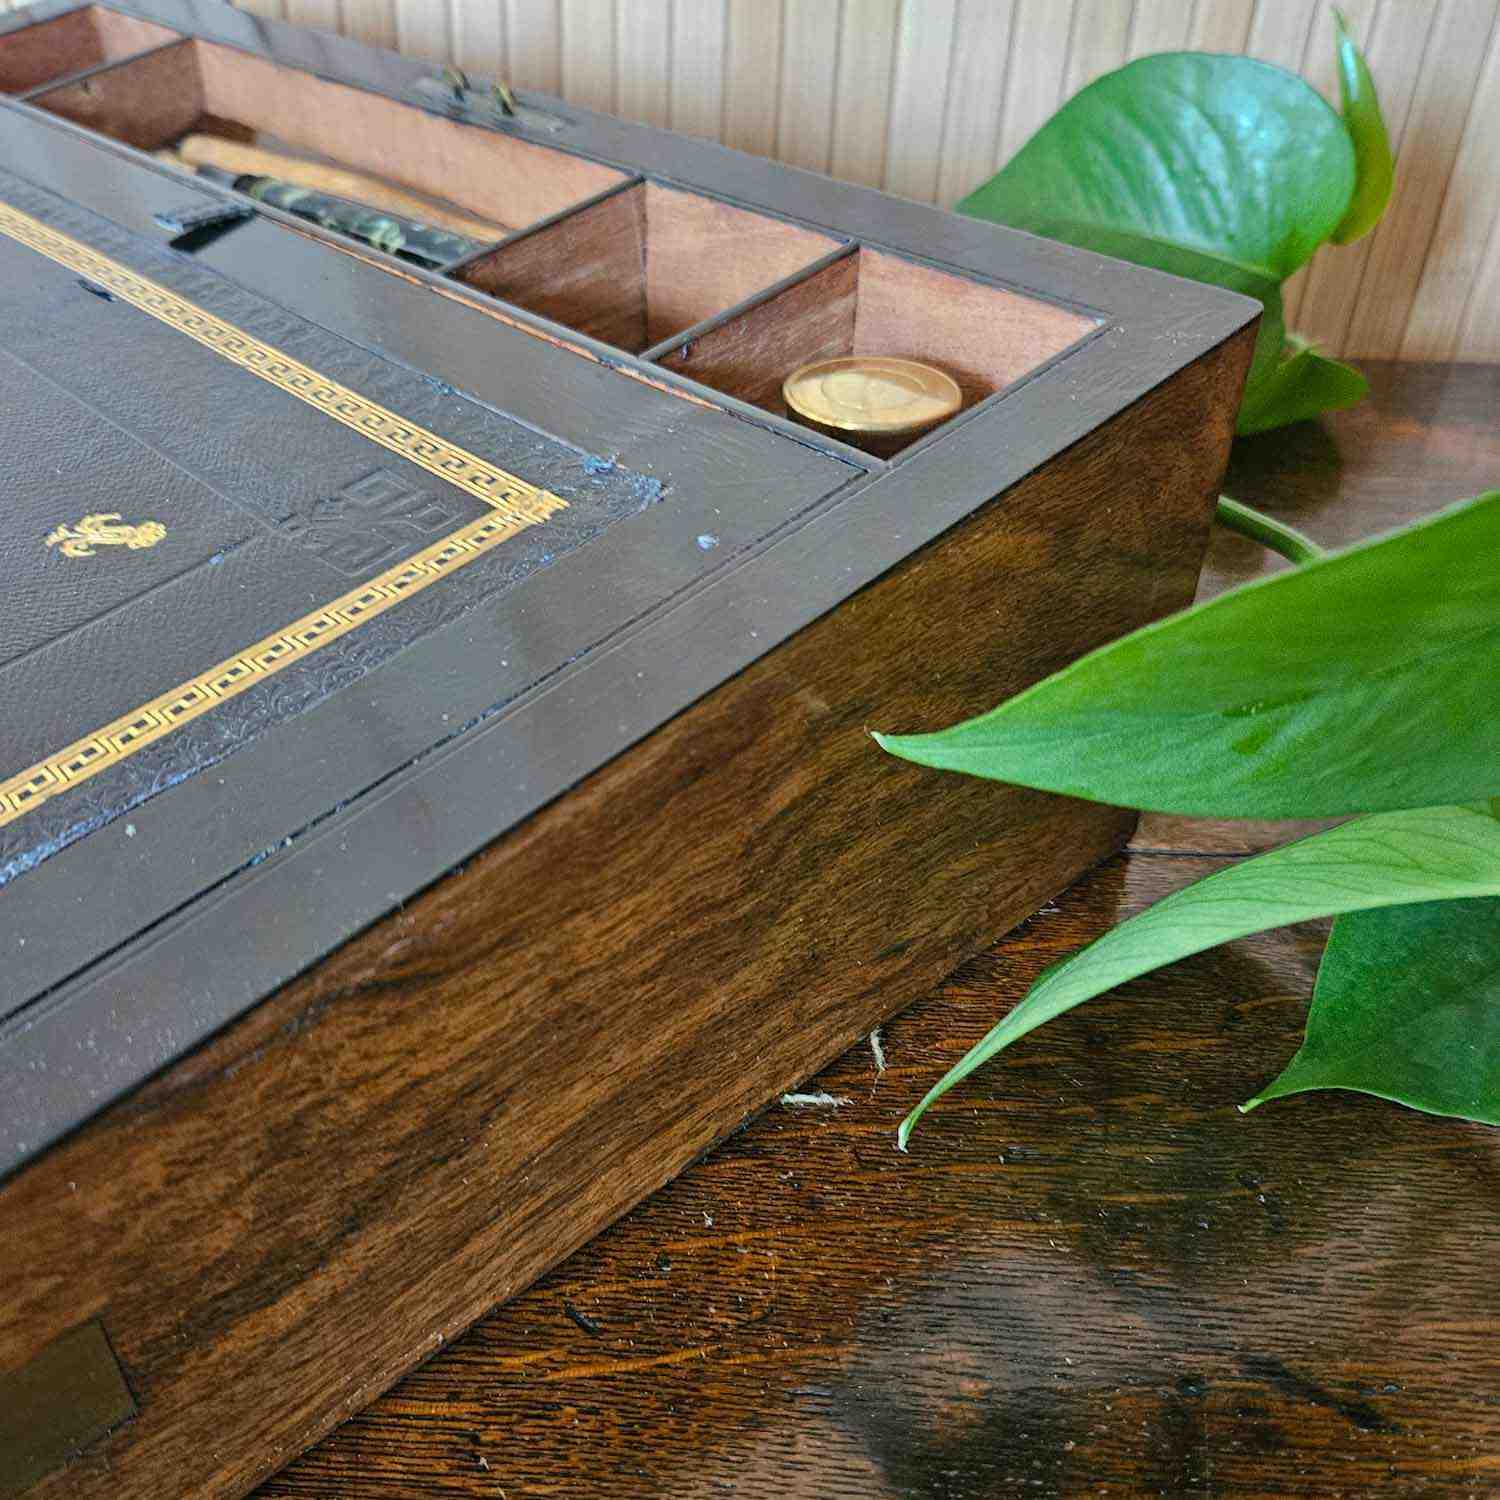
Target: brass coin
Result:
[871, 395]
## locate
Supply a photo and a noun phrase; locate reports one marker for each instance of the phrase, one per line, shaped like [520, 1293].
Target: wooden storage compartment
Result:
[153, 101]
[645, 263]
[869, 302]
[70, 43]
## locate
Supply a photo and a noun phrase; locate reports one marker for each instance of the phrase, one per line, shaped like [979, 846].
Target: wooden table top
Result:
[1091, 1275]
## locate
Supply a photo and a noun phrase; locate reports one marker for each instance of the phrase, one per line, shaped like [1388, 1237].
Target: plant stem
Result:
[1266, 530]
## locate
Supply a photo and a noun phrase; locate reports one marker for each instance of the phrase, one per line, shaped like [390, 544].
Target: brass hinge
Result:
[495, 105]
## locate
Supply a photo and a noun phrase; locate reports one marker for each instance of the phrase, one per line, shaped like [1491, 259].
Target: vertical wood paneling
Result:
[1280, 31]
[1100, 36]
[752, 75]
[322, 15]
[698, 66]
[914, 143]
[423, 29]
[643, 60]
[1479, 329]
[862, 95]
[478, 39]
[976, 88]
[1221, 25]
[1392, 33]
[1160, 26]
[588, 52]
[1457, 303]
[1040, 35]
[1455, 53]
[929, 97]
[372, 21]
[533, 36]
[809, 65]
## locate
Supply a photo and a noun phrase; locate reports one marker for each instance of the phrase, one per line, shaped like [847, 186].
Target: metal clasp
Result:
[495, 105]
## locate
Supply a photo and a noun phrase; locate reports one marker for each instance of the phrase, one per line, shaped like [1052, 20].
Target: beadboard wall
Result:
[926, 98]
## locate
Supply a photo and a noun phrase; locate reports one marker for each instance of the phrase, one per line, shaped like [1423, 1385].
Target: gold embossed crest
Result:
[104, 529]
[512, 504]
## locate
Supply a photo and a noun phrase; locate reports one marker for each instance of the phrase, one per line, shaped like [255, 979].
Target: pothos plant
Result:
[1360, 684]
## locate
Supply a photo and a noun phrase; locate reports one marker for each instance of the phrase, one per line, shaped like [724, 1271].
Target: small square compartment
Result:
[70, 43]
[870, 302]
[645, 263]
[151, 102]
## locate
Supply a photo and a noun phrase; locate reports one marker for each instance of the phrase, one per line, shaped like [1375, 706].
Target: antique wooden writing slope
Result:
[436, 800]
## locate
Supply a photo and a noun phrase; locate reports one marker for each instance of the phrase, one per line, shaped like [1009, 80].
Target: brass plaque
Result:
[69, 1396]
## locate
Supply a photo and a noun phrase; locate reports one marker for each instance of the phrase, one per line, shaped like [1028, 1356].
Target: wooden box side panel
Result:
[278, 1227]
[985, 337]
[750, 356]
[145, 103]
[586, 270]
[71, 42]
[703, 256]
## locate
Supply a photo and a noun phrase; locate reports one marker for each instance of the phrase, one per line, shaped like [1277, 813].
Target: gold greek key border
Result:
[514, 505]
[513, 497]
[148, 723]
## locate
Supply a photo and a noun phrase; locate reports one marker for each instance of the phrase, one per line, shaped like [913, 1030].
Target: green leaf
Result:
[1297, 389]
[1425, 854]
[1185, 150]
[1374, 167]
[1407, 1007]
[1364, 680]
[1222, 169]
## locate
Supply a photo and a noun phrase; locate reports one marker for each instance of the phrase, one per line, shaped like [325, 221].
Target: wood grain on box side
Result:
[70, 43]
[284, 1222]
[586, 270]
[750, 356]
[1091, 1270]
[146, 102]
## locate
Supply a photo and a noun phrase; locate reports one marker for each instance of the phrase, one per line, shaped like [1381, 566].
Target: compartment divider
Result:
[83, 75]
[635, 267]
[455, 268]
[99, 31]
[149, 100]
[657, 352]
[671, 283]
[172, 116]
[870, 301]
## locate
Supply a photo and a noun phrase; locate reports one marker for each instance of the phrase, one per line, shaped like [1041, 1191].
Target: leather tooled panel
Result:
[222, 515]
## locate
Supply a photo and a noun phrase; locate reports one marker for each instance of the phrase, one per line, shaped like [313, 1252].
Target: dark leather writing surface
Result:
[268, 511]
[254, 573]
[152, 896]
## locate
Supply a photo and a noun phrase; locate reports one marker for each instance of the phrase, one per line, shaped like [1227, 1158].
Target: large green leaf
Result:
[1297, 388]
[1224, 155]
[1375, 169]
[1362, 681]
[1407, 1007]
[1222, 169]
[1424, 854]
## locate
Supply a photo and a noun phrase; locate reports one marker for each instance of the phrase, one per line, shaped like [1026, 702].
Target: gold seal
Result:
[877, 402]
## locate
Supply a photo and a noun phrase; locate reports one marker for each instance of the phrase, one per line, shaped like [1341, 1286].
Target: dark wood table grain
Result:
[1091, 1275]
